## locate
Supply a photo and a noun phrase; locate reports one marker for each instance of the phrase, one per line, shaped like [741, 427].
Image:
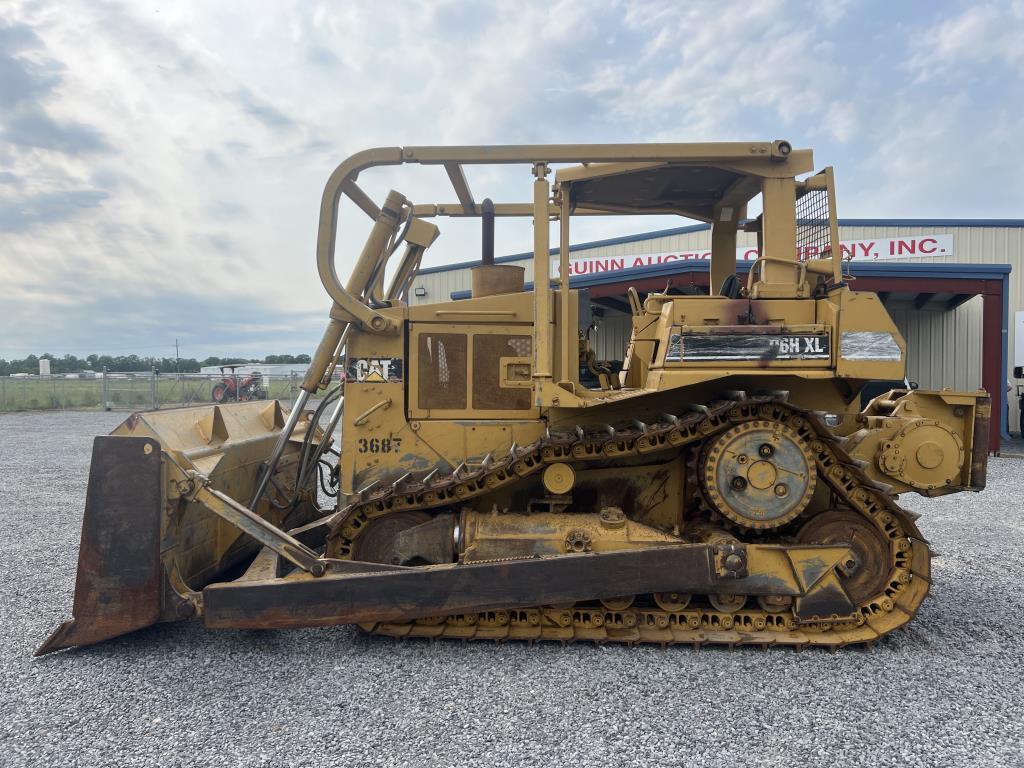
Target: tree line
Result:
[120, 363]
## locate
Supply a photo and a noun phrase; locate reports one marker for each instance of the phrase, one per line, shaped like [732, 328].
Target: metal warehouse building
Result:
[951, 285]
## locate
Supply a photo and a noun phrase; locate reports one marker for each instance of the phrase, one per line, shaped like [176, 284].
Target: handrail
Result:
[346, 173]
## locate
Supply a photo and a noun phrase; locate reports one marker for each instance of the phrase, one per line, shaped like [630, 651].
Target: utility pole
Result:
[177, 358]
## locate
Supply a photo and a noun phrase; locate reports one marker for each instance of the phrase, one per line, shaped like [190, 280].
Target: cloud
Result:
[940, 141]
[35, 128]
[263, 112]
[322, 56]
[981, 33]
[226, 209]
[169, 166]
[831, 12]
[22, 80]
[19, 215]
[697, 76]
[16, 37]
[128, 319]
[24, 84]
[221, 243]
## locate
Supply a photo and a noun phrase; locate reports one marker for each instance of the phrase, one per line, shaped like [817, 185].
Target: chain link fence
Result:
[130, 391]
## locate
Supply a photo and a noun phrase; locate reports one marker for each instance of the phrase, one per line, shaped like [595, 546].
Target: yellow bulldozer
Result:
[494, 480]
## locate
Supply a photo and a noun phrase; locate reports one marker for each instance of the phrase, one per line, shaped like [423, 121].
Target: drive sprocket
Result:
[759, 474]
[376, 542]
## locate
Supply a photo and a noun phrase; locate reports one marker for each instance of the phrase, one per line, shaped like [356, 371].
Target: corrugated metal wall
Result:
[439, 286]
[943, 346]
[939, 350]
[612, 336]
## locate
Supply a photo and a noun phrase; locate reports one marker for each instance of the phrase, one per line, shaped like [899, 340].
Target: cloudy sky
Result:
[161, 163]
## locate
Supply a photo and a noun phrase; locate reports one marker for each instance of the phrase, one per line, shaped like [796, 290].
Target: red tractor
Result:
[237, 387]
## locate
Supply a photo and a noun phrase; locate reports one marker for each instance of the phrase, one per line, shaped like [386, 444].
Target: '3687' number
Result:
[379, 444]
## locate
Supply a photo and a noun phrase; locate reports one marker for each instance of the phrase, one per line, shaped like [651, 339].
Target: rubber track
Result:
[907, 586]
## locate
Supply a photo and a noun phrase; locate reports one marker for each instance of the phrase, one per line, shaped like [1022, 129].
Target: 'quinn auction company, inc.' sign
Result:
[917, 246]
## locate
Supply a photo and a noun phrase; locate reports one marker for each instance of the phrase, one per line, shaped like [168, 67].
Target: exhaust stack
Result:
[490, 279]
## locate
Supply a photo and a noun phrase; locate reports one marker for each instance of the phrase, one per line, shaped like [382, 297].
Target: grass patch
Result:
[33, 394]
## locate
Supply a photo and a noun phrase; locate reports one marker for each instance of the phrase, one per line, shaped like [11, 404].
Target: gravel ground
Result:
[945, 691]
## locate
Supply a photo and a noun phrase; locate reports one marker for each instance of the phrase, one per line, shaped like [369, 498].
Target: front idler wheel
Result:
[867, 575]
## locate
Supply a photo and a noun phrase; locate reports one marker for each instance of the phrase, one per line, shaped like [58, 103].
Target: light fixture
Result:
[419, 290]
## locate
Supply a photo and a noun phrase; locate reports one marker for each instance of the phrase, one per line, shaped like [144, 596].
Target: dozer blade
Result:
[148, 545]
[117, 589]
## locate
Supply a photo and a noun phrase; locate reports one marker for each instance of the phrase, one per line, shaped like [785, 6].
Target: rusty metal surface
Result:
[253, 525]
[439, 590]
[476, 382]
[96, 700]
[487, 536]
[119, 580]
[828, 618]
[147, 545]
[415, 593]
[980, 443]
[418, 594]
[759, 474]
[870, 547]
[377, 546]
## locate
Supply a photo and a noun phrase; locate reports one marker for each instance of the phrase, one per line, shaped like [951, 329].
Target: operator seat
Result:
[731, 287]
